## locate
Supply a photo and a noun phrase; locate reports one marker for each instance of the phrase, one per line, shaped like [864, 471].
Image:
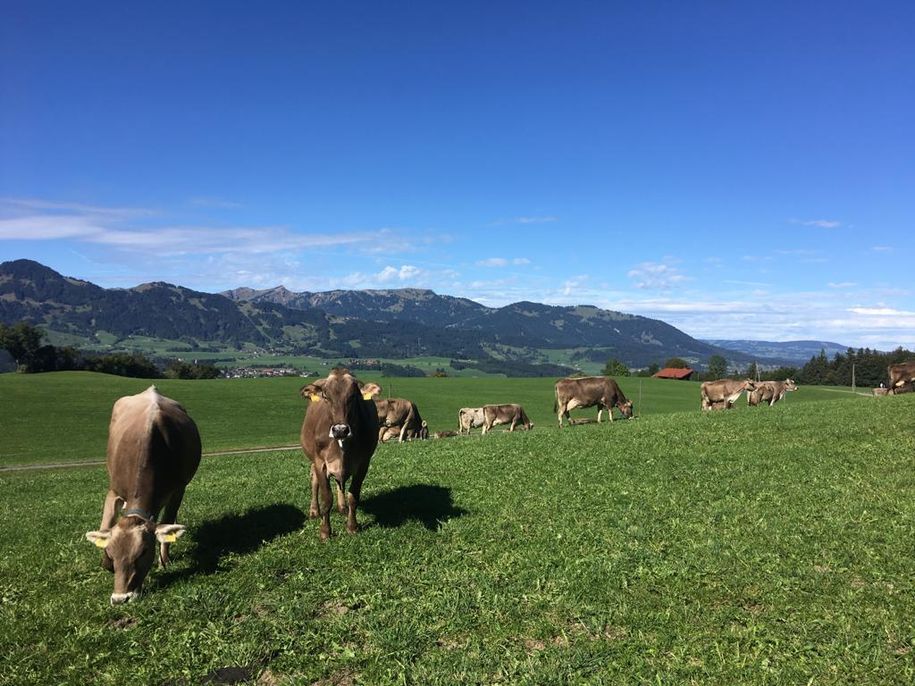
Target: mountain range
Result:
[397, 323]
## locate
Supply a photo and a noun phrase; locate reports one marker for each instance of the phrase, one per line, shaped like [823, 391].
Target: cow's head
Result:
[625, 408]
[343, 393]
[749, 384]
[790, 385]
[129, 549]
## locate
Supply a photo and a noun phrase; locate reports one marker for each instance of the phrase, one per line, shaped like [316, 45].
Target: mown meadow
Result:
[758, 546]
[63, 416]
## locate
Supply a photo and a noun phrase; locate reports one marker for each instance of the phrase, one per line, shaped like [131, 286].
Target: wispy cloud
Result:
[842, 284]
[502, 262]
[819, 223]
[882, 248]
[574, 284]
[529, 219]
[26, 206]
[214, 203]
[656, 276]
[129, 230]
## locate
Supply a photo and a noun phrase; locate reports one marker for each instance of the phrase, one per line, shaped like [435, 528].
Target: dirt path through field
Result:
[96, 463]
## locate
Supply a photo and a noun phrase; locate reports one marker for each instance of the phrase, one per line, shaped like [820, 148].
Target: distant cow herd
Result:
[154, 449]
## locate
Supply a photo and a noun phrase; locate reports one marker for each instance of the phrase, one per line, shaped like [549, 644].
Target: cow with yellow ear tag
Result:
[339, 435]
[153, 452]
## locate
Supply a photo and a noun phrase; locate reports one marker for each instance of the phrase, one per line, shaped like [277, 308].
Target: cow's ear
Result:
[313, 390]
[370, 390]
[99, 538]
[169, 533]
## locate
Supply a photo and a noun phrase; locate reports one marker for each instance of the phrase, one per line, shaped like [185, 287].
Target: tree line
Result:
[868, 367]
[24, 343]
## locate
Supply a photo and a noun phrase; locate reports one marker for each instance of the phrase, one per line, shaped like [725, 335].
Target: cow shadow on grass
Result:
[234, 534]
[425, 503]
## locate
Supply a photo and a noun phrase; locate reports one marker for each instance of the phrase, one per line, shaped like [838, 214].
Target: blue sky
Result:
[738, 170]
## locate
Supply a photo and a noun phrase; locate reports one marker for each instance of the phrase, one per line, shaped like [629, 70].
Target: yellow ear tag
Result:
[315, 397]
[366, 396]
[101, 542]
[169, 538]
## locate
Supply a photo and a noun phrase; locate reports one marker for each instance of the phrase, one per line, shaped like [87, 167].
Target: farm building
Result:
[684, 374]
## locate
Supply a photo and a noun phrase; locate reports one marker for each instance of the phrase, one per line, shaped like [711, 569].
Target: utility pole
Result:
[852, 377]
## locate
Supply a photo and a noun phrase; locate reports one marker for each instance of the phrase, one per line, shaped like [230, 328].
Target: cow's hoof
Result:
[324, 535]
[313, 514]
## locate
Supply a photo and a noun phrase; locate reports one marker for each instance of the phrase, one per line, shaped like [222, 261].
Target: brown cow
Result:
[512, 414]
[902, 377]
[723, 393]
[153, 452]
[589, 391]
[400, 414]
[469, 418]
[339, 436]
[769, 392]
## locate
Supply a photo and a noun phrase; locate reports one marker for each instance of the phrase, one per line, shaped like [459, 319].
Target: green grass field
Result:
[63, 416]
[757, 546]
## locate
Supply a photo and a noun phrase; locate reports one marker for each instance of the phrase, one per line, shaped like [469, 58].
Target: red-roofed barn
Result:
[684, 374]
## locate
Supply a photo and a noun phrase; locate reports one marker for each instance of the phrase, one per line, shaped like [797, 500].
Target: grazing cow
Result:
[339, 436]
[881, 391]
[153, 452]
[469, 418]
[902, 377]
[512, 414]
[769, 392]
[400, 414]
[723, 393]
[589, 391]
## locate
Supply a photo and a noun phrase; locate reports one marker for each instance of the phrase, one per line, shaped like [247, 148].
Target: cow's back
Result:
[152, 444]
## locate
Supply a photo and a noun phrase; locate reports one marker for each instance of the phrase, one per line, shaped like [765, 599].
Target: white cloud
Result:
[882, 248]
[406, 272]
[656, 276]
[574, 284]
[502, 262]
[214, 203]
[535, 220]
[819, 223]
[842, 284]
[881, 312]
[530, 219]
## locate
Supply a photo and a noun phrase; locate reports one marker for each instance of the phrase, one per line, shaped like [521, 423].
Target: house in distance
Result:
[684, 374]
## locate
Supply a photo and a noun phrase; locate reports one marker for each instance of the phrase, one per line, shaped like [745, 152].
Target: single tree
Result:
[615, 368]
[717, 367]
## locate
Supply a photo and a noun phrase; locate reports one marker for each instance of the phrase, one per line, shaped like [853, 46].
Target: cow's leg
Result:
[169, 515]
[511, 427]
[382, 430]
[562, 413]
[355, 492]
[486, 427]
[403, 431]
[325, 500]
[313, 507]
[341, 498]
